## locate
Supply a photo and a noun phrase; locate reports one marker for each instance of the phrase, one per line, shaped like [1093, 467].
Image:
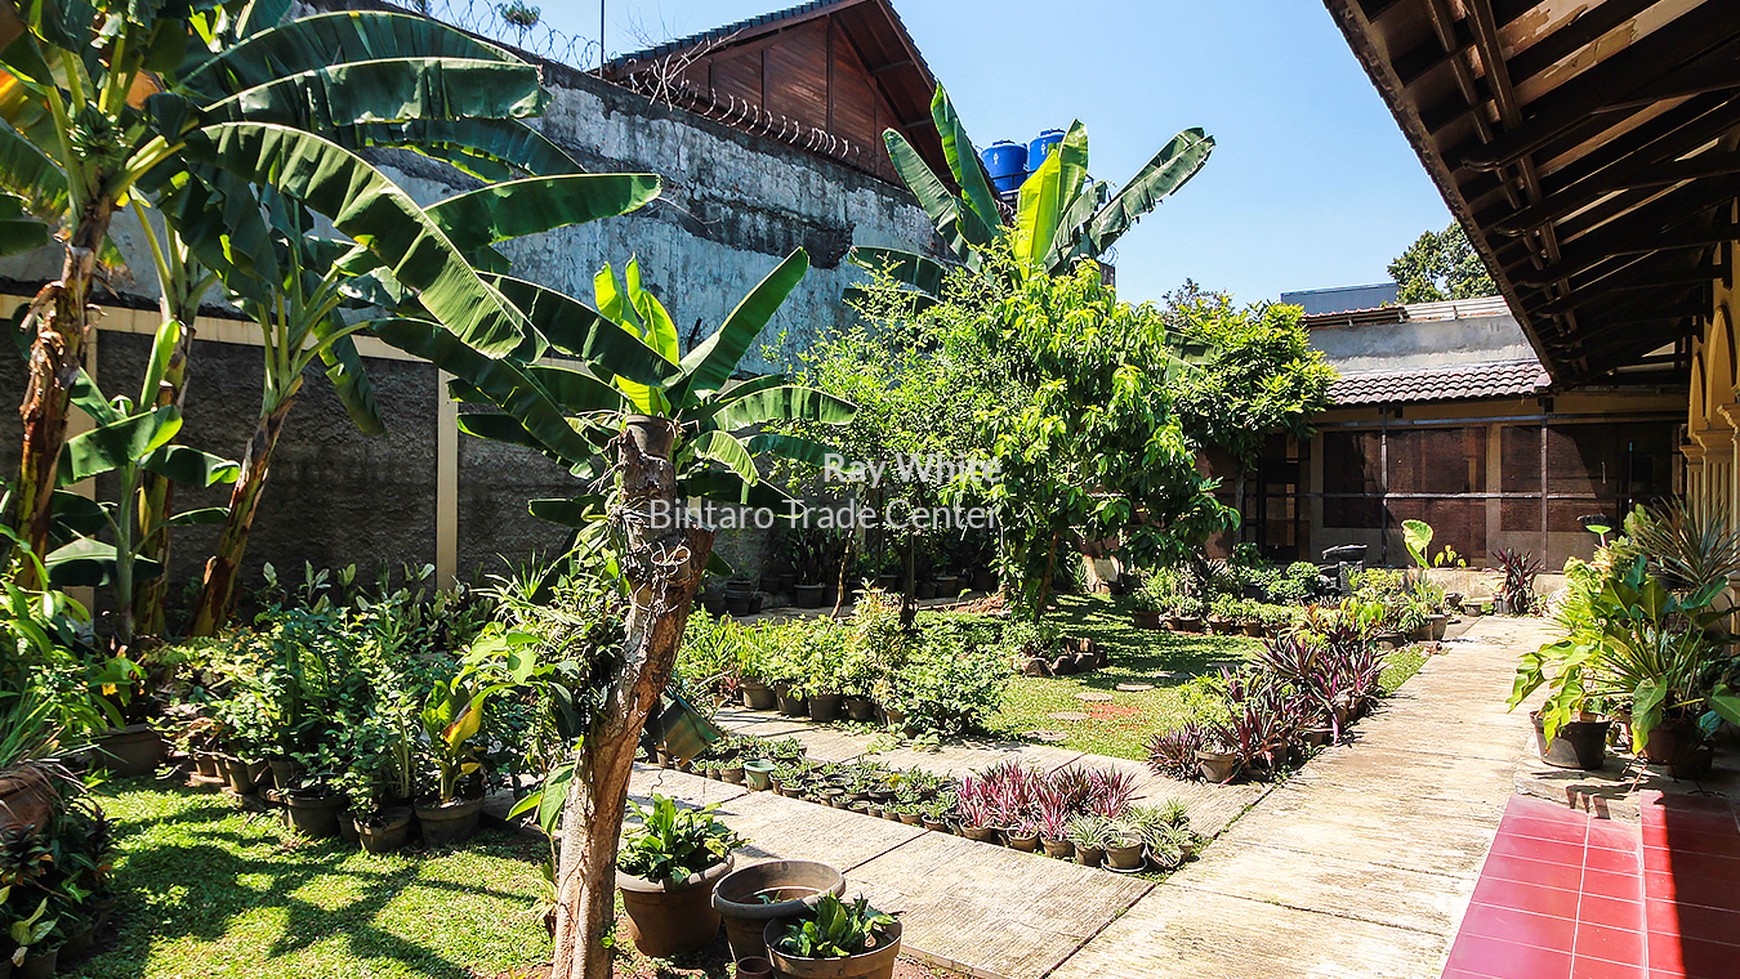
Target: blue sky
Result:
[1311, 183]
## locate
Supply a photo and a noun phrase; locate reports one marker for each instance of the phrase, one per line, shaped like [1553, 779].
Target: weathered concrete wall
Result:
[733, 206]
[1423, 343]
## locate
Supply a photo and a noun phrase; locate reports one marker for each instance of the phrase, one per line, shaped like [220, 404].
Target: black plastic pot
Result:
[789, 705]
[1578, 744]
[825, 707]
[315, 815]
[759, 696]
[386, 832]
[878, 963]
[450, 823]
[860, 708]
[809, 596]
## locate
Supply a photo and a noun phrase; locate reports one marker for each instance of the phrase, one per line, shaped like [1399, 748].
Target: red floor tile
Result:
[1552, 851]
[1522, 927]
[1604, 883]
[1534, 871]
[1587, 968]
[1692, 958]
[1609, 912]
[1612, 944]
[1688, 822]
[1690, 863]
[1613, 861]
[1524, 896]
[1712, 924]
[1703, 891]
[1691, 841]
[1613, 836]
[1504, 960]
[1573, 829]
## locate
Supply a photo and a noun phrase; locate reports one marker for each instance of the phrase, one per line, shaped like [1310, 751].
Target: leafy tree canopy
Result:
[1441, 265]
[1258, 374]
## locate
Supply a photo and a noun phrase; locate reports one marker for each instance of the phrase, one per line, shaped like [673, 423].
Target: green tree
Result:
[1252, 373]
[1441, 265]
[643, 427]
[1078, 415]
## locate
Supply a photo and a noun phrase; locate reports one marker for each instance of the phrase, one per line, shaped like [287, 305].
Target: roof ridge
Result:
[725, 31]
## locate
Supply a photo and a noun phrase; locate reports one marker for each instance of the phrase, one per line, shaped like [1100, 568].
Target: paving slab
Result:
[684, 787]
[990, 909]
[779, 828]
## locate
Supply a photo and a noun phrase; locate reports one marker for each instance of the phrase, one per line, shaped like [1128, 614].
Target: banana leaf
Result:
[491, 150]
[709, 365]
[1170, 169]
[19, 231]
[392, 90]
[533, 205]
[963, 160]
[580, 331]
[786, 402]
[120, 443]
[960, 229]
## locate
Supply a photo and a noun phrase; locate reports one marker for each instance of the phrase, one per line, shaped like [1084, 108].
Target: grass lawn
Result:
[207, 890]
[1117, 727]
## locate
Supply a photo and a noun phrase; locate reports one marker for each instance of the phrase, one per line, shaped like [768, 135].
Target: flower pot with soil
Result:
[1579, 743]
[1216, 765]
[128, 752]
[810, 595]
[1185, 623]
[315, 811]
[758, 695]
[1060, 849]
[1025, 839]
[751, 897]
[384, 830]
[825, 707]
[666, 872]
[980, 834]
[860, 708]
[791, 702]
[1145, 618]
[835, 940]
[1126, 854]
[448, 823]
[239, 776]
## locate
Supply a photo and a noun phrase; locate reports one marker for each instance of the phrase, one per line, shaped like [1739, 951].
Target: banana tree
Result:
[130, 441]
[1061, 214]
[664, 427]
[103, 102]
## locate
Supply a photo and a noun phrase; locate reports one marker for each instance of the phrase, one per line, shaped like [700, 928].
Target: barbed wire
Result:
[514, 23]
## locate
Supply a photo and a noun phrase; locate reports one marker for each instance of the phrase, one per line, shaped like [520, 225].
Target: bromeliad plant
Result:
[836, 929]
[1657, 651]
[673, 844]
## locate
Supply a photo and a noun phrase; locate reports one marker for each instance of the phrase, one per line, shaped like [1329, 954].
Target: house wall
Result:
[733, 206]
[1477, 472]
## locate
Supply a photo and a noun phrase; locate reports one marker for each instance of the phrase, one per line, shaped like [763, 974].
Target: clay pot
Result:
[1146, 618]
[1090, 856]
[27, 797]
[1125, 857]
[1669, 740]
[1252, 628]
[754, 967]
[759, 696]
[1061, 849]
[1185, 623]
[205, 765]
[860, 708]
[1222, 627]
[980, 834]
[128, 752]
[285, 771]
[1436, 627]
[1580, 744]
[749, 898]
[825, 707]
[388, 830]
[809, 596]
[666, 918]
[315, 816]
[937, 825]
[1217, 766]
[239, 776]
[877, 963]
[445, 824]
[911, 818]
[1024, 843]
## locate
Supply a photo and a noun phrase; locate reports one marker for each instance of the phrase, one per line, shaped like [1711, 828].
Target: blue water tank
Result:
[1041, 147]
[1006, 162]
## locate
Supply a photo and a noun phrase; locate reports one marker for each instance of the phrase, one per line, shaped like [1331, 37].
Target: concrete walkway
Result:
[1359, 865]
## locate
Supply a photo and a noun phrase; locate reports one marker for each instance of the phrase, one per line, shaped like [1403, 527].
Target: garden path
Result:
[1359, 865]
[1212, 807]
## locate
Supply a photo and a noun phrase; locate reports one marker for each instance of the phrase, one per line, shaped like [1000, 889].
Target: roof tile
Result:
[1456, 382]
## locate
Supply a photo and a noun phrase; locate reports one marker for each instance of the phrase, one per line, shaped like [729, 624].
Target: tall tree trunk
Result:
[663, 569]
[60, 323]
[157, 494]
[1045, 579]
[909, 582]
[217, 599]
[842, 589]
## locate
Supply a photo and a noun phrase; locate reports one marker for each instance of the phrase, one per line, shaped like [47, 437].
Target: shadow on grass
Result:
[184, 877]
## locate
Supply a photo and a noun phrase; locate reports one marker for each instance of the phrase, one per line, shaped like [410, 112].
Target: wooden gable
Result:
[828, 77]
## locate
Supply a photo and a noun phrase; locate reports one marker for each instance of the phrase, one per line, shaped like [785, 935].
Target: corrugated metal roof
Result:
[1456, 382]
[716, 33]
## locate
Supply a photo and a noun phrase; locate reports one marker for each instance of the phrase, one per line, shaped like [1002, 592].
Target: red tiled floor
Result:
[1534, 871]
[1521, 927]
[1689, 863]
[1608, 912]
[1524, 896]
[1612, 944]
[1583, 967]
[1504, 960]
[1713, 924]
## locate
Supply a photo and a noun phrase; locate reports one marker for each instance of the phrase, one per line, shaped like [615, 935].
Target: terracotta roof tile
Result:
[1455, 382]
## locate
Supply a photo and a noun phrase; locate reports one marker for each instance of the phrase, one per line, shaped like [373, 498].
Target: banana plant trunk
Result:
[217, 597]
[59, 322]
[157, 495]
[662, 569]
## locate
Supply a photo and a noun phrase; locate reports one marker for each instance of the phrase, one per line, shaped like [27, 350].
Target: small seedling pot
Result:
[1026, 843]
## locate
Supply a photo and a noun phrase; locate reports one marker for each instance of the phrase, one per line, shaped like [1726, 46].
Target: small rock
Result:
[1045, 737]
[1068, 715]
[1134, 687]
[1092, 696]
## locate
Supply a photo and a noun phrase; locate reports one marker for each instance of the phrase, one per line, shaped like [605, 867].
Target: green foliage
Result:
[945, 690]
[835, 929]
[673, 843]
[1441, 265]
[1257, 375]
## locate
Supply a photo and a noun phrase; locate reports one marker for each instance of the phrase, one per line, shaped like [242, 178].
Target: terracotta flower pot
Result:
[980, 834]
[1025, 842]
[27, 797]
[751, 897]
[1061, 849]
[128, 752]
[445, 824]
[1217, 766]
[666, 918]
[877, 963]
[1146, 618]
[1090, 856]
[1125, 857]
[385, 832]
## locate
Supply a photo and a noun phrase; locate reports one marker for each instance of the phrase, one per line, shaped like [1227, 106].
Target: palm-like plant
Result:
[628, 411]
[103, 102]
[1061, 215]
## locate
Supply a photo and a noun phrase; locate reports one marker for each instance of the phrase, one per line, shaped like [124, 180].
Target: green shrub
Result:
[947, 689]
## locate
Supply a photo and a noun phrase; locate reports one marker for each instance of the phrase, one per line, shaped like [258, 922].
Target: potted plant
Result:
[1124, 847]
[451, 718]
[1091, 834]
[35, 951]
[1222, 615]
[835, 940]
[1218, 761]
[666, 870]
[752, 896]
[808, 550]
[1184, 613]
